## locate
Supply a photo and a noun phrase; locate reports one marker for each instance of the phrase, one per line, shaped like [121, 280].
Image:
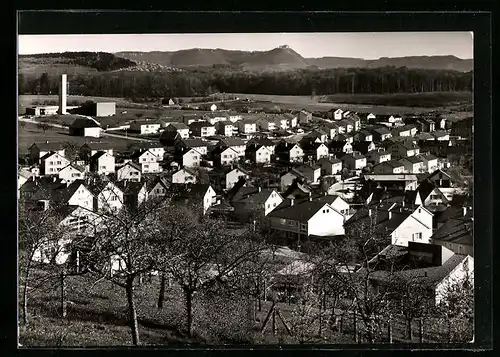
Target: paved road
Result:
[33, 121]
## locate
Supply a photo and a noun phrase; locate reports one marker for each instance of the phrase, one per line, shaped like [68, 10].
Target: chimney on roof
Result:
[390, 214]
[292, 201]
[464, 210]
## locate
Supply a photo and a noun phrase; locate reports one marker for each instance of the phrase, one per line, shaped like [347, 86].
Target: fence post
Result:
[63, 296]
[274, 321]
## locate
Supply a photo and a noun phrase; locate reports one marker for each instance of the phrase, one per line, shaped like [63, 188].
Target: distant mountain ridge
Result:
[284, 57]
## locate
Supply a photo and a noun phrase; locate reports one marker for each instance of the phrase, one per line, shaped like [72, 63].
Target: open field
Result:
[357, 102]
[30, 134]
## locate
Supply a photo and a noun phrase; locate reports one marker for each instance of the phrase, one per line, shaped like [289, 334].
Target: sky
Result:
[367, 45]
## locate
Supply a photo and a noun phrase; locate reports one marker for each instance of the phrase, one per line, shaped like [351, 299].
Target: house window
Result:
[268, 205]
[225, 156]
[419, 210]
[274, 204]
[146, 166]
[59, 163]
[143, 159]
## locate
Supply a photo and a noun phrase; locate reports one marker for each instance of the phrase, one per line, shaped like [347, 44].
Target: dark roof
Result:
[200, 124]
[232, 142]
[391, 163]
[133, 164]
[148, 144]
[194, 142]
[354, 156]
[99, 146]
[189, 190]
[331, 161]
[148, 122]
[361, 146]
[298, 212]
[381, 130]
[97, 155]
[413, 159]
[261, 141]
[49, 146]
[455, 230]
[178, 126]
[257, 197]
[336, 144]
[428, 157]
[81, 123]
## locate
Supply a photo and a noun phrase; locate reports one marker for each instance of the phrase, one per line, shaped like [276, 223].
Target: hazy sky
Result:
[368, 45]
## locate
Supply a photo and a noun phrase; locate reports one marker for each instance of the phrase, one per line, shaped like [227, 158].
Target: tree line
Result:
[297, 82]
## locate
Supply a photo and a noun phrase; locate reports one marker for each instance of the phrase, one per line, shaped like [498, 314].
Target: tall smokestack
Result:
[63, 92]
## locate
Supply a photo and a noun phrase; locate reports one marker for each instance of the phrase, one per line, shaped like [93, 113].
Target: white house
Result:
[354, 161]
[130, 171]
[78, 194]
[260, 201]
[202, 129]
[39, 150]
[310, 173]
[145, 127]
[236, 144]
[289, 152]
[430, 162]
[148, 161]
[180, 128]
[389, 167]
[110, 198]
[403, 149]
[191, 158]
[337, 114]
[246, 126]
[52, 163]
[213, 107]
[102, 163]
[184, 175]
[258, 154]
[413, 164]
[298, 222]
[224, 128]
[330, 166]
[88, 150]
[228, 156]
[71, 173]
[378, 156]
[234, 176]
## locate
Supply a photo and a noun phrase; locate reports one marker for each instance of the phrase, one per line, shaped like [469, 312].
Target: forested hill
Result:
[285, 58]
[100, 61]
[293, 82]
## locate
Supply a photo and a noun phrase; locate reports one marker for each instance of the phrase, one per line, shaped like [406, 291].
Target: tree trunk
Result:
[408, 329]
[189, 310]
[25, 294]
[161, 295]
[64, 304]
[132, 311]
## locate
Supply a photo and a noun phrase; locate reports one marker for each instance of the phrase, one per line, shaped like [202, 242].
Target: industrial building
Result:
[85, 127]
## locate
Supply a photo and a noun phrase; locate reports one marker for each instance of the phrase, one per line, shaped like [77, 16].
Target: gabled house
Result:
[134, 193]
[288, 121]
[397, 222]
[110, 197]
[413, 164]
[347, 124]
[393, 181]
[435, 268]
[310, 173]
[88, 150]
[180, 128]
[147, 160]
[400, 149]
[331, 129]
[76, 194]
[157, 187]
[289, 152]
[338, 147]
[256, 203]
[102, 163]
[329, 166]
[156, 148]
[381, 134]
[189, 157]
[378, 156]
[225, 128]
[196, 194]
[130, 171]
[52, 162]
[258, 154]
[268, 123]
[441, 135]
[233, 176]
[145, 127]
[184, 175]
[304, 116]
[336, 114]
[363, 135]
[85, 127]
[317, 135]
[192, 143]
[430, 162]
[39, 150]
[23, 176]
[405, 130]
[354, 161]
[246, 126]
[389, 167]
[456, 234]
[236, 144]
[269, 144]
[344, 137]
[214, 118]
[314, 151]
[224, 156]
[297, 224]
[432, 197]
[202, 129]
[71, 173]
[364, 147]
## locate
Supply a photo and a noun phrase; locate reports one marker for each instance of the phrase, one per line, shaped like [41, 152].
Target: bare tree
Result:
[39, 240]
[43, 126]
[121, 249]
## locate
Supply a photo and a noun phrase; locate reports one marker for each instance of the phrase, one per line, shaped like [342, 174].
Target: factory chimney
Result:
[63, 92]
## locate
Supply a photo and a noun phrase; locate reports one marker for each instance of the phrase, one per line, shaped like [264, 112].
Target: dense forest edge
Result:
[295, 82]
